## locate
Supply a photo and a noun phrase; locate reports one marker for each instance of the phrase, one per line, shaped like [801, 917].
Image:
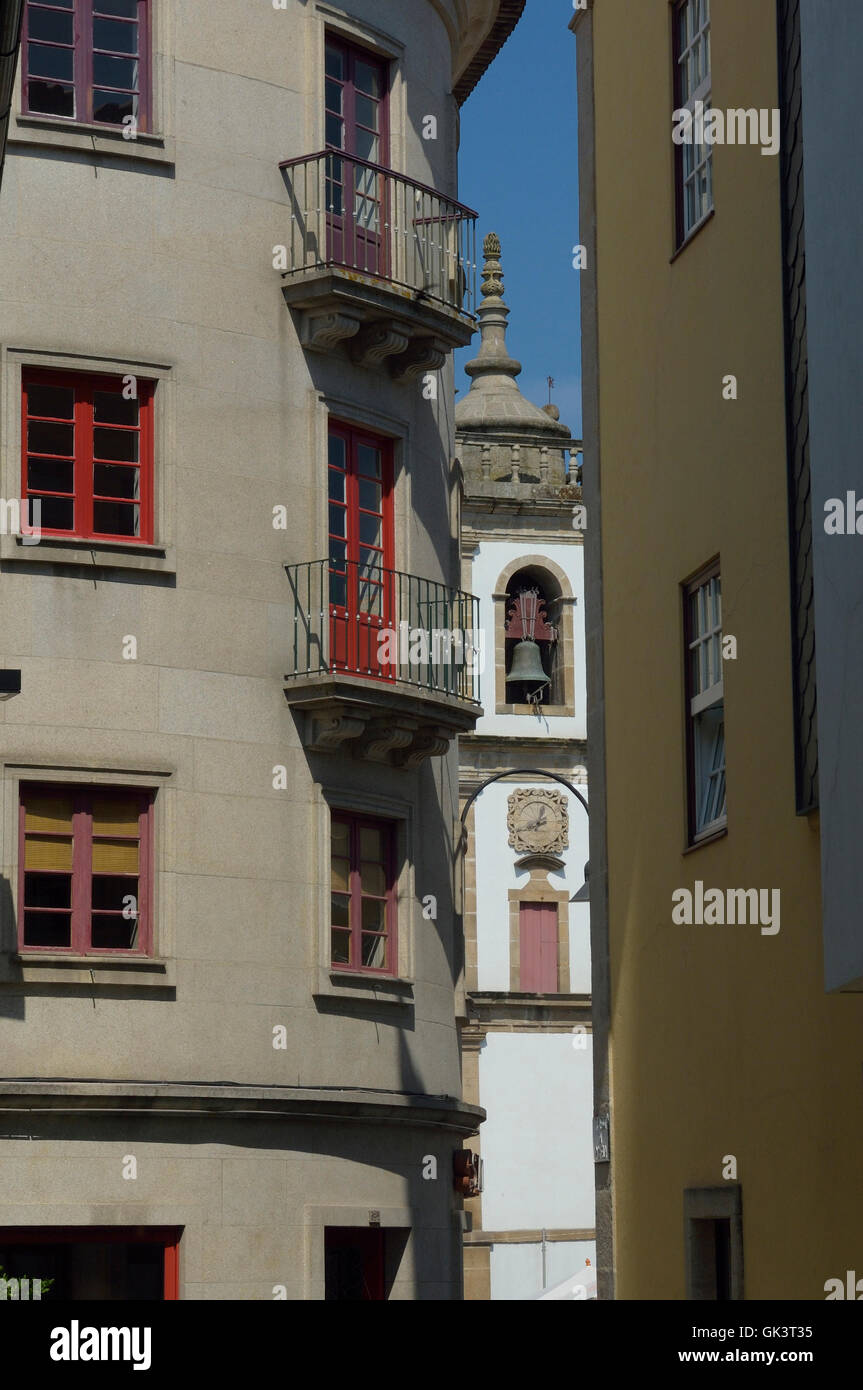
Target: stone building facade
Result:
[526, 1034]
[234, 266]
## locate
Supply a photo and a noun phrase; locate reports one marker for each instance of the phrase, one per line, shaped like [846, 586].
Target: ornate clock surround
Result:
[551, 834]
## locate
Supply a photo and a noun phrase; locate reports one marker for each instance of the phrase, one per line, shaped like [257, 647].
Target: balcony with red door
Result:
[378, 265]
[383, 665]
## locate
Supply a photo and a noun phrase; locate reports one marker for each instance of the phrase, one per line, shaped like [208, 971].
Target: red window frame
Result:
[388, 829]
[84, 51]
[353, 593]
[539, 961]
[83, 457]
[352, 243]
[82, 872]
[352, 54]
[167, 1236]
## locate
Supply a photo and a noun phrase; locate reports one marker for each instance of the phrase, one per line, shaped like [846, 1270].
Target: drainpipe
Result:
[11, 12]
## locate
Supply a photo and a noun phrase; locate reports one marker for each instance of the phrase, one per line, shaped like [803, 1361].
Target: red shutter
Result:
[538, 948]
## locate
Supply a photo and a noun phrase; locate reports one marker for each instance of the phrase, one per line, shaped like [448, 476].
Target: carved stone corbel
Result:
[386, 736]
[376, 342]
[431, 742]
[326, 735]
[322, 332]
[423, 355]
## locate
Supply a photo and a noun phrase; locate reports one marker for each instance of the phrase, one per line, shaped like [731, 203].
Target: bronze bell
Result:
[526, 665]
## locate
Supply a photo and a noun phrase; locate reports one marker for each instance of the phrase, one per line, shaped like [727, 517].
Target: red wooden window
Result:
[363, 894]
[85, 870]
[87, 455]
[361, 546]
[538, 948]
[88, 61]
[357, 124]
[126, 1263]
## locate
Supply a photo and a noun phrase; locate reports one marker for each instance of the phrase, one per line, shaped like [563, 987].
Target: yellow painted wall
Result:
[722, 1040]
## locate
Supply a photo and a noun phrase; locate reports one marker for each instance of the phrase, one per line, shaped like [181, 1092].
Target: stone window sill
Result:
[50, 968]
[692, 234]
[89, 554]
[707, 839]
[91, 139]
[370, 989]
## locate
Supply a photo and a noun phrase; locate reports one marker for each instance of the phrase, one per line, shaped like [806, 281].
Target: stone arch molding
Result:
[537, 562]
[566, 599]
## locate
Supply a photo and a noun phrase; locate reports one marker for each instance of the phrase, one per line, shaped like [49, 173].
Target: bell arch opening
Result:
[534, 639]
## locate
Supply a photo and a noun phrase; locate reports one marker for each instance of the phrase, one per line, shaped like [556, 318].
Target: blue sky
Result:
[518, 167]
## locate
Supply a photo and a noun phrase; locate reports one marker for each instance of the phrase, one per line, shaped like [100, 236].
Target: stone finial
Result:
[492, 271]
[504, 432]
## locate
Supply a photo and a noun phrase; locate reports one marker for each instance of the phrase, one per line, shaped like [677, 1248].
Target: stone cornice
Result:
[572, 752]
[171, 1098]
[505, 1012]
[470, 66]
[517, 499]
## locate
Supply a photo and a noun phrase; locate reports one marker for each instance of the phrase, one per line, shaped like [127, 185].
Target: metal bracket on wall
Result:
[601, 1147]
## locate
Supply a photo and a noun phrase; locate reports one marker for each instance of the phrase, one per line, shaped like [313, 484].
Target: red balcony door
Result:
[361, 550]
[356, 125]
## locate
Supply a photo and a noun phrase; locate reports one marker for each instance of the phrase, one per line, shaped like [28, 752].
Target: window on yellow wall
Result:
[705, 697]
[692, 85]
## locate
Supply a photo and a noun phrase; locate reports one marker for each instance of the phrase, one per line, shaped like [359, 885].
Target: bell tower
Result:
[526, 1009]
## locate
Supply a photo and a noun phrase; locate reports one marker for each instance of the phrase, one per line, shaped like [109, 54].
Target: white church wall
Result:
[537, 1142]
[496, 874]
[516, 1270]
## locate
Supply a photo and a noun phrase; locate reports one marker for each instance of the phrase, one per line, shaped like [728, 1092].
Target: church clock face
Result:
[537, 822]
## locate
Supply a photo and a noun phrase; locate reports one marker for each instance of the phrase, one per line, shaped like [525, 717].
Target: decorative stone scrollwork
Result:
[321, 332]
[385, 736]
[423, 355]
[430, 743]
[376, 342]
[357, 730]
[330, 733]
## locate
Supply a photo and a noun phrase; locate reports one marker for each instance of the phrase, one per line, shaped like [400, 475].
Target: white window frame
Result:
[701, 156]
[706, 693]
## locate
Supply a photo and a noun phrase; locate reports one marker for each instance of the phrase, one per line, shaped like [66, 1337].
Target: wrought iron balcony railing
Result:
[358, 619]
[362, 217]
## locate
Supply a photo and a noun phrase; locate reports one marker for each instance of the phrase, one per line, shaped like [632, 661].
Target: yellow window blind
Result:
[115, 856]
